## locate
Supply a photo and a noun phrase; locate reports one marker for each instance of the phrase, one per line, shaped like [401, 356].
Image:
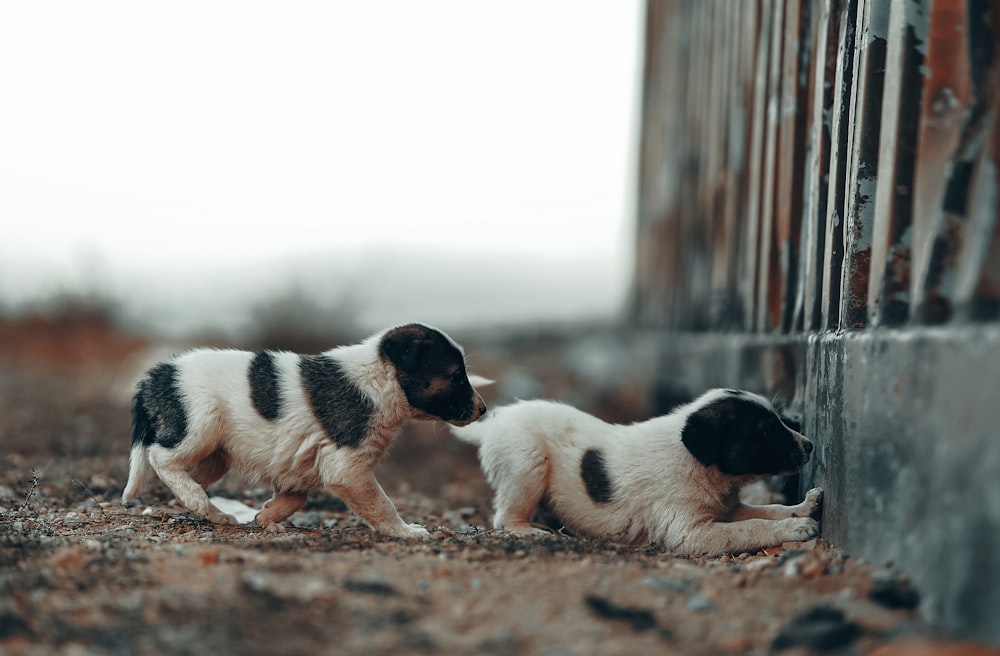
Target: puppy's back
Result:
[537, 416]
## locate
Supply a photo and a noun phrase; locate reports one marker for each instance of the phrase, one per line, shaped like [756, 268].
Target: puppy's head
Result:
[741, 434]
[430, 368]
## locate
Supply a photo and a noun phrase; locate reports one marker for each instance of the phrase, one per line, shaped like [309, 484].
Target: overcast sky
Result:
[167, 146]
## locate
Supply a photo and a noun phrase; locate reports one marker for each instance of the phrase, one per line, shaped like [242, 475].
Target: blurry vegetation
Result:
[64, 332]
[293, 321]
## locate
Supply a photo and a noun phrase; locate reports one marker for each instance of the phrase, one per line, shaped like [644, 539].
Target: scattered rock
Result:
[68, 561]
[373, 587]
[820, 628]
[894, 592]
[671, 585]
[307, 520]
[871, 617]
[11, 624]
[100, 483]
[759, 563]
[208, 557]
[285, 587]
[640, 618]
[700, 604]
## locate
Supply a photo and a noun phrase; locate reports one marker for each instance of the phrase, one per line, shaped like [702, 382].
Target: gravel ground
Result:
[80, 574]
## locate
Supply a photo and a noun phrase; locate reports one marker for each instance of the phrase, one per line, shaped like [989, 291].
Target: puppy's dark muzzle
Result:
[477, 410]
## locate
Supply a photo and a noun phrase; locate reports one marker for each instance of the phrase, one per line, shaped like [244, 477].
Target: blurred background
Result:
[200, 166]
[233, 175]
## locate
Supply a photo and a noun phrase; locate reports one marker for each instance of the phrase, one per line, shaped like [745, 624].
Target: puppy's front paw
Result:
[271, 527]
[799, 529]
[810, 504]
[225, 519]
[407, 532]
[525, 530]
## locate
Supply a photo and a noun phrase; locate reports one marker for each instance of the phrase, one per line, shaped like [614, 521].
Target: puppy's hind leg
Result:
[210, 469]
[279, 508]
[174, 474]
[519, 487]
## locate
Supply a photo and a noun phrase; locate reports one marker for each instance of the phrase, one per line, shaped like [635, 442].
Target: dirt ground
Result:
[80, 574]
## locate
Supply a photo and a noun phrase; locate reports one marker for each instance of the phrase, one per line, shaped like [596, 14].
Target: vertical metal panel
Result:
[977, 273]
[863, 143]
[766, 257]
[791, 160]
[727, 313]
[889, 285]
[826, 28]
[818, 164]
[939, 222]
[750, 18]
[755, 164]
[833, 254]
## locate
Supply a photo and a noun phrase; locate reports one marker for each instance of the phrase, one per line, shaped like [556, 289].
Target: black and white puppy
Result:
[296, 422]
[673, 481]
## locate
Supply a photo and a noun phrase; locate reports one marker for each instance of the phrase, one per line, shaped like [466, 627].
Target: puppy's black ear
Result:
[404, 347]
[703, 436]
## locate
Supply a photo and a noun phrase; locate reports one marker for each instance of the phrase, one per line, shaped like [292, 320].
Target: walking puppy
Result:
[673, 480]
[296, 422]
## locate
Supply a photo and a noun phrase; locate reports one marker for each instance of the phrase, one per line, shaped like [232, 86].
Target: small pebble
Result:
[700, 604]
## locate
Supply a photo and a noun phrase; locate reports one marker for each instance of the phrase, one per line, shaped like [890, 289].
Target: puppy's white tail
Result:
[140, 473]
[472, 433]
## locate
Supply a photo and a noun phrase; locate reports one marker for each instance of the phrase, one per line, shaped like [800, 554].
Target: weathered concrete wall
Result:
[907, 425]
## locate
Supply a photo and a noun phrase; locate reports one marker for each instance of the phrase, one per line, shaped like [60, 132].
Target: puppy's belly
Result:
[284, 463]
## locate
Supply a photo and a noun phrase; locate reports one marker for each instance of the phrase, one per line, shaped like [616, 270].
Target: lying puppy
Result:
[296, 422]
[673, 480]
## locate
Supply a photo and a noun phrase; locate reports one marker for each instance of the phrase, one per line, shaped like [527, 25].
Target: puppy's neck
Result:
[727, 487]
[377, 380]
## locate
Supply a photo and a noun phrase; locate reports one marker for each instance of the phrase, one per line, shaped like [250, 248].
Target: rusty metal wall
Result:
[817, 165]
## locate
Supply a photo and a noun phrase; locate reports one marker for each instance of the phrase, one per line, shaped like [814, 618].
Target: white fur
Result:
[532, 451]
[292, 453]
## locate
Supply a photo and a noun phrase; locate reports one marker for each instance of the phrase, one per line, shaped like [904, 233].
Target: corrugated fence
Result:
[811, 165]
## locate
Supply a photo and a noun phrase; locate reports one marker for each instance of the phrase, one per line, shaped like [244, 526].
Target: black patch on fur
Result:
[895, 593]
[740, 436]
[265, 387]
[158, 413]
[142, 425]
[342, 409]
[735, 392]
[595, 476]
[431, 371]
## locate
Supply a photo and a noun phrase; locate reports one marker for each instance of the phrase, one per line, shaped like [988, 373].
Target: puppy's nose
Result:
[480, 406]
[807, 446]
